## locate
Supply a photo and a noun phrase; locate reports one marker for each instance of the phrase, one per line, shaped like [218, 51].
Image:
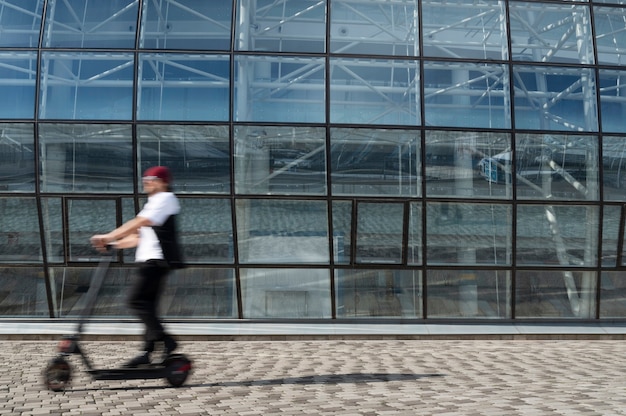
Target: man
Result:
[153, 233]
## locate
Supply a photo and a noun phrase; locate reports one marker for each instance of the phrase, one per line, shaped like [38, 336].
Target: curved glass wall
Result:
[335, 159]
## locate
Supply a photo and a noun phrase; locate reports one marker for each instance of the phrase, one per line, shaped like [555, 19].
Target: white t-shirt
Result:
[158, 209]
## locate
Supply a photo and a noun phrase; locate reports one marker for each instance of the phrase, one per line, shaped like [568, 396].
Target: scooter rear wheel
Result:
[57, 374]
[178, 368]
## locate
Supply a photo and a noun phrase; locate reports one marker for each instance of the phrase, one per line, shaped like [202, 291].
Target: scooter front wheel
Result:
[57, 374]
[178, 368]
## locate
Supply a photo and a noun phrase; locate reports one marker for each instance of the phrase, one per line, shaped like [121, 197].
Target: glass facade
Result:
[403, 160]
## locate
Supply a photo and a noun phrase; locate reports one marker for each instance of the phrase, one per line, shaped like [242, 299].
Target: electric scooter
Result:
[175, 368]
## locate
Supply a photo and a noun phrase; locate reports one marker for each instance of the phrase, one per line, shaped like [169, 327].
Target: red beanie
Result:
[160, 172]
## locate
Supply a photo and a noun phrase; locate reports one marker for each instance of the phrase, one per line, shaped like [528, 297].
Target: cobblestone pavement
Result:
[336, 377]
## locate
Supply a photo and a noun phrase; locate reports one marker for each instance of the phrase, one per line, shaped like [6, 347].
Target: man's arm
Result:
[129, 228]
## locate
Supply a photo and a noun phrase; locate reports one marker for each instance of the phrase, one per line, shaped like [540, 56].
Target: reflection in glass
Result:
[379, 293]
[374, 91]
[87, 217]
[20, 21]
[469, 294]
[557, 235]
[464, 233]
[612, 295]
[614, 168]
[415, 244]
[613, 100]
[20, 239]
[17, 81]
[23, 292]
[375, 162]
[374, 28]
[282, 231]
[468, 164]
[52, 216]
[205, 229]
[280, 160]
[198, 156]
[555, 294]
[285, 293]
[77, 158]
[86, 85]
[279, 88]
[610, 234]
[466, 95]
[610, 34]
[379, 232]
[200, 293]
[342, 231]
[183, 87]
[17, 158]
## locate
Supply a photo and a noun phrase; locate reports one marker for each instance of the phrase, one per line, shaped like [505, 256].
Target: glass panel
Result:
[78, 85]
[23, 292]
[128, 213]
[379, 232]
[468, 234]
[285, 293]
[372, 91]
[279, 88]
[91, 24]
[200, 293]
[20, 21]
[610, 234]
[557, 235]
[379, 293]
[555, 98]
[186, 24]
[280, 160]
[52, 217]
[613, 295]
[17, 80]
[613, 99]
[206, 230]
[276, 231]
[415, 234]
[555, 294]
[20, 239]
[342, 231]
[199, 156]
[550, 32]
[555, 166]
[614, 168]
[469, 294]
[183, 87]
[465, 29]
[374, 28]
[17, 158]
[468, 165]
[78, 158]
[283, 26]
[610, 33]
[375, 162]
[86, 218]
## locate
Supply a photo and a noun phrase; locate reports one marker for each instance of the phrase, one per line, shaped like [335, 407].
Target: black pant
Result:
[144, 300]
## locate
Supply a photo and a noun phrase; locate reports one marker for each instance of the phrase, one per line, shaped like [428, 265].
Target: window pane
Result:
[285, 293]
[206, 231]
[186, 24]
[91, 24]
[342, 231]
[17, 80]
[557, 235]
[469, 294]
[469, 234]
[555, 166]
[466, 95]
[468, 165]
[280, 160]
[371, 91]
[613, 100]
[610, 33]
[375, 162]
[52, 216]
[284, 26]
[17, 158]
[201, 293]
[555, 98]
[610, 234]
[555, 294]
[23, 292]
[415, 234]
[184, 87]
[281, 89]
[613, 295]
[374, 28]
[614, 168]
[464, 29]
[276, 231]
[77, 85]
[546, 32]
[86, 218]
[199, 156]
[20, 21]
[77, 158]
[379, 232]
[379, 293]
[20, 239]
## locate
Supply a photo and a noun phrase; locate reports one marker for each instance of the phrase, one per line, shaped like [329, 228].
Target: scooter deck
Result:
[145, 372]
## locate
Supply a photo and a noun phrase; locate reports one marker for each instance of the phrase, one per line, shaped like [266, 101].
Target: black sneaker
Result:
[141, 359]
[169, 345]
